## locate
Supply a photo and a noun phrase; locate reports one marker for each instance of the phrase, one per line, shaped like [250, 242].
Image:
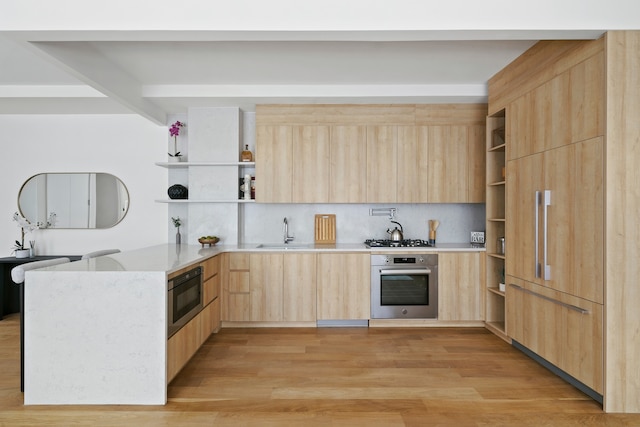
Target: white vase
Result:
[175, 159]
[22, 253]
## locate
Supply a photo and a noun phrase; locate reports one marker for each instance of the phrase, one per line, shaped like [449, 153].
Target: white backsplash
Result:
[219, 134]
[263, 223]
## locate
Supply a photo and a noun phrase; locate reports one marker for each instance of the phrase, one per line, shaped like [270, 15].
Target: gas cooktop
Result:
[405, 243]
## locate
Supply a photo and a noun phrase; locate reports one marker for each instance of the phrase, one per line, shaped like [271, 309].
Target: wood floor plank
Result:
[335, 377]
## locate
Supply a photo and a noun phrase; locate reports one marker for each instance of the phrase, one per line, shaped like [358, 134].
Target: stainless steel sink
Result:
[282, 246]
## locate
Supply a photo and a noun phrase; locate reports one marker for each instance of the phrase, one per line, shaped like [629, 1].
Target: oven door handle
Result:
[421, 271]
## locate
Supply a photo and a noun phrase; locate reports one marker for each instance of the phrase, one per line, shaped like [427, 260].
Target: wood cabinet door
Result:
[382, 164]
[274, 160]
[565, 330]
[299, 288]
[266, 278]
[460, 286]
[344, 286]
[235, 287]
[518, 125]
[448, 169]
[210, 289]
[311, 150]
[348, 171]
[524, 178]
[357, 285]
[574, 175]
[412, 177]
[476, 191]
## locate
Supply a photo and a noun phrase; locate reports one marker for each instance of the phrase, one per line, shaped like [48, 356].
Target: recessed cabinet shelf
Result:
[203, 201]
[496, 225]
[184, 165]
[496, 291]
[187, 164]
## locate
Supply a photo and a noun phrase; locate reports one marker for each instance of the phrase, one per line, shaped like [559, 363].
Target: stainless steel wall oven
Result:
[404, 286]
[185, 299]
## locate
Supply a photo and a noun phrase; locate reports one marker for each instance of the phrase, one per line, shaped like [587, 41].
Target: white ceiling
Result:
[176, 75]
[102, 61]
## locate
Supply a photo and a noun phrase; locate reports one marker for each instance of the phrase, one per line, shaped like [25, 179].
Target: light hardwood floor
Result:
[335, 377]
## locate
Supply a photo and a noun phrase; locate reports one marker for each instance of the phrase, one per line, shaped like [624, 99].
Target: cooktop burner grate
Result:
[405, 243]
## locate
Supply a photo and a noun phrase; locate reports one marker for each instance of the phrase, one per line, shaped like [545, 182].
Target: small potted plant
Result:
[25, 227]
[177, 222]
[174, 131]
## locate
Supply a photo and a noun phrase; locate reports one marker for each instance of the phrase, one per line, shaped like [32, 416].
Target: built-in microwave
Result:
[185, 299]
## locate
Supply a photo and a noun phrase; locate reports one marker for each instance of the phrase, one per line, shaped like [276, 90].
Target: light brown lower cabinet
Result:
[184, 343]
[565, 330]
[344, 290]
[235, 290]
[460, 278]
[270, 287]
[211, 282]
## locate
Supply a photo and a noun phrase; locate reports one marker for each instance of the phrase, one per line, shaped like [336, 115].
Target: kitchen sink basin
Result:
[283, 246]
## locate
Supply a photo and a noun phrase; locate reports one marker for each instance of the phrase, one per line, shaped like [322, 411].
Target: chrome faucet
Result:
[287, 238]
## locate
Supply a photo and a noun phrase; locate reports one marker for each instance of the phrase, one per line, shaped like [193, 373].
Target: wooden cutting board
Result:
[325, 229]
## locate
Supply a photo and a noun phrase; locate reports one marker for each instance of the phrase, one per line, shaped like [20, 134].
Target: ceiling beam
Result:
[82, 61]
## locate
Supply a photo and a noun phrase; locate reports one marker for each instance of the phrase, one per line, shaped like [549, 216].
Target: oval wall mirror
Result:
[73, 200]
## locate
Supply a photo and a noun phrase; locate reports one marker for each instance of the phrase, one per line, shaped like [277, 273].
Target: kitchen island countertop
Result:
[168, 258]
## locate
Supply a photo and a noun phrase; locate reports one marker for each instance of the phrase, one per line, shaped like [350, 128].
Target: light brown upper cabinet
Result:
[348, 172]
[413, 164]
[382, 164]
[311, 148]
[274, 164]
[370, 154]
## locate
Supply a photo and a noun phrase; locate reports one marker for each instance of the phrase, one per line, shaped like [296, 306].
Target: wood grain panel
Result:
[524, 178]
[266, 278]
[565, 330]
[412, 185]
[587, 98]
[210, 266]
[274, 160]
[348, 179]
[519, 127]
[460, 291]
[299, 288]
[343, 286]
[476, 188]
[239, 261]
[622, 235]
[311, 164]
[210, 289]
[450, 114]
[542, 62]
[382, 164]
[335, 114]
[448, 173]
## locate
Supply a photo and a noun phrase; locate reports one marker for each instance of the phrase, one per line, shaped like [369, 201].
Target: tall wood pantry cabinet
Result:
[571, 110]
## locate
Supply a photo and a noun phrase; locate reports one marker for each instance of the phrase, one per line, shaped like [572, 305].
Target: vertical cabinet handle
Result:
[536, 208]
[547, 267]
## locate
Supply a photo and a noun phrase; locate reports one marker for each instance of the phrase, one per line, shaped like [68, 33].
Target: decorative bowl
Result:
[206, 241]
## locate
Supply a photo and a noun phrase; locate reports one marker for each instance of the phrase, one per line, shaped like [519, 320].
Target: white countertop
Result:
[171, 257]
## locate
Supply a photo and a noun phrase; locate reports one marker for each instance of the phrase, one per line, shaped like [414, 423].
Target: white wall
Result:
[126, 146]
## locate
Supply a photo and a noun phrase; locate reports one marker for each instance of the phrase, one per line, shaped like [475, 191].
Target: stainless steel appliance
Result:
[404, 243]
[185, 299]
[404, 286]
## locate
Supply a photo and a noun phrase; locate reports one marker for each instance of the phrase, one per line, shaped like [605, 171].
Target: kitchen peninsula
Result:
[96, 329]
